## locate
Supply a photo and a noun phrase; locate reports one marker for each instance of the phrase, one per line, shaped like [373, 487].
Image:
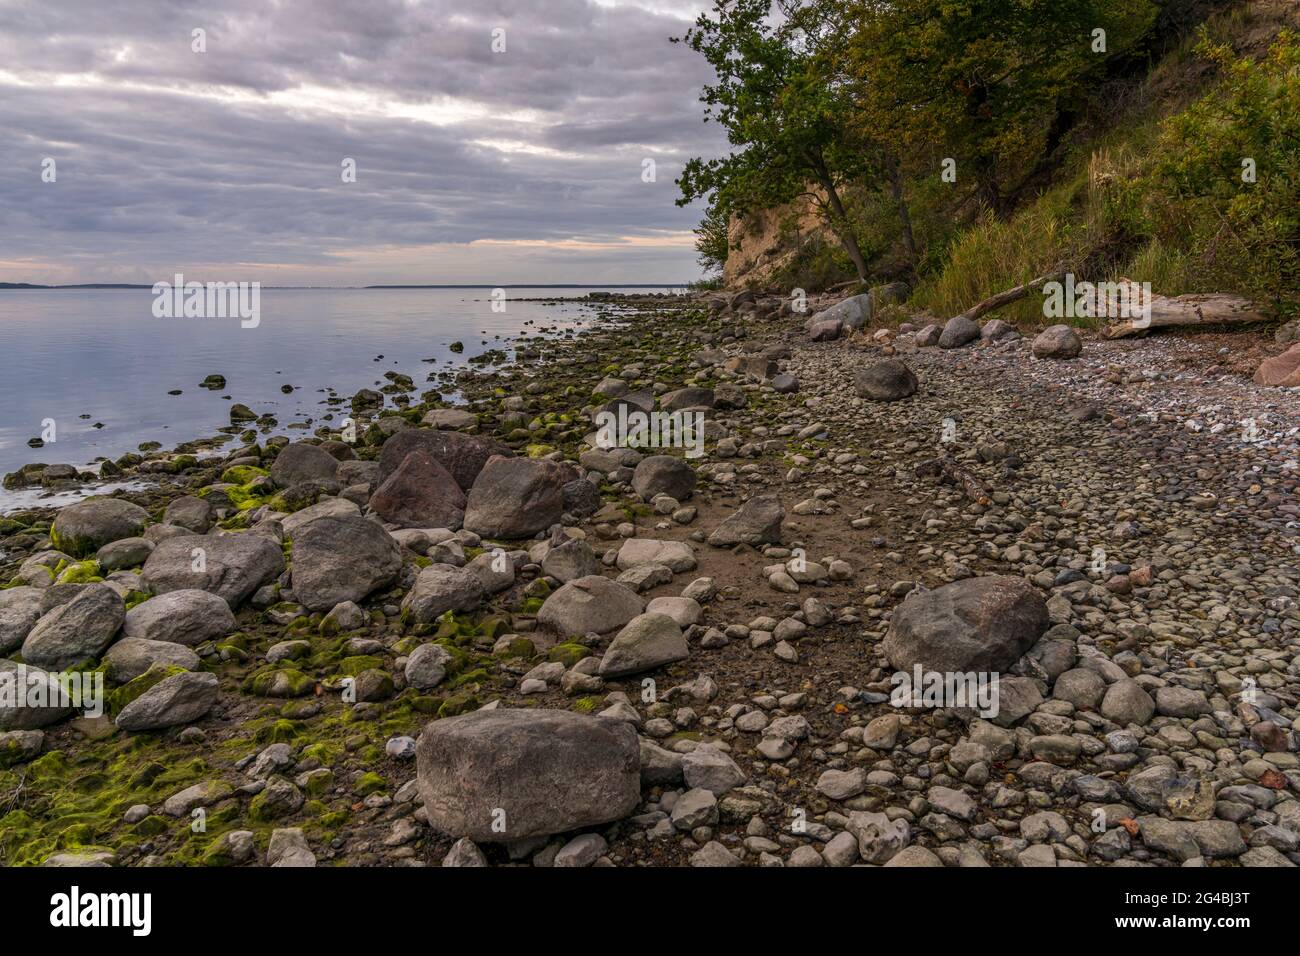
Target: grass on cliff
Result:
[1207, 199]
[1194, 189]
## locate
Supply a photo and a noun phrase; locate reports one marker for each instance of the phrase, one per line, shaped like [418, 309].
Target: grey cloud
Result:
[150, 176]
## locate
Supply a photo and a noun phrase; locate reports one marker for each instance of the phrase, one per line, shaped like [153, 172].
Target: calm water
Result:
[83, 357]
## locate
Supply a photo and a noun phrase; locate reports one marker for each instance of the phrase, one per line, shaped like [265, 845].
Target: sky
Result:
[473, 164]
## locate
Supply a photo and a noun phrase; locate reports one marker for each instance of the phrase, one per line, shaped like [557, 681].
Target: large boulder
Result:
[663, 475]
[958, 331]
[1127, 702]
[426, 666]
[760, 366]
[301, 462]
[508, 775]
[420, 493]
[496, 575]
[441, 588]
[852, 313]
[886, 381]
[179, 699]
[449, 418]
[928, 337]
[231, 566]
[645, 642]
[130, 657]
[77, 631]
[571, 560]
[188, 512]
[1057, 342]
[342, 559]
[891, 293]
[20, 608]
[757, 522]
[691, 397]
[123, 554]
[824, 331]
[581, 498]
[328, 508]
[462, 455]
[83, 528]
[516, 497]
[188, 617]
[1280, 370]
[590, 605]
[357, 472]
[981, 624]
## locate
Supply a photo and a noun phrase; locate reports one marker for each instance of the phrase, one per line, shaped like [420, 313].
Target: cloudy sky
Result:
[472, 165]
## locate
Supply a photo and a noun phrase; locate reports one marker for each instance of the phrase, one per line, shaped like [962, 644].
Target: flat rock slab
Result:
[677, 555]
[499, 776]
[1280, 370]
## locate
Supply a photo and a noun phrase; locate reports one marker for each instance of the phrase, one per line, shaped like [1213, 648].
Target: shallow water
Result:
[87, 357]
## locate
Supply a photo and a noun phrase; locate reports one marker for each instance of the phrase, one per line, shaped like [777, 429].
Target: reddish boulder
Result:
[1281, 369]
[420, 493]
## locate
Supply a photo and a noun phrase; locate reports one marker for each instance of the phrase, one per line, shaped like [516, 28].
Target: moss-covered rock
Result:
[280, 682]
[568, 653]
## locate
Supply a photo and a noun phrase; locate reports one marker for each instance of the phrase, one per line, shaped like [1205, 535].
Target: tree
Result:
[1225, 177]
[995, 83]
[784, 115]
[712, 239]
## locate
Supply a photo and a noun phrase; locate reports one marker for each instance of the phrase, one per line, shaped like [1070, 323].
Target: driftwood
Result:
[1210, 309]
[958, 475]
[1010, 295]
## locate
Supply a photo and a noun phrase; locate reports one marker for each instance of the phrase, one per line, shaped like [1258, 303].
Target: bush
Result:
[1197, 195]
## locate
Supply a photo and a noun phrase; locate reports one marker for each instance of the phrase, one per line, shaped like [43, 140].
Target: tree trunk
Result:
[1212, 309]
[904, 217]
[840, 223]
[1010, 295]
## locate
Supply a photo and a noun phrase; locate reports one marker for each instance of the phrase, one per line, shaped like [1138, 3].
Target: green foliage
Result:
[987, 81]
[785, 117]
[711, 238]
[1196, 194]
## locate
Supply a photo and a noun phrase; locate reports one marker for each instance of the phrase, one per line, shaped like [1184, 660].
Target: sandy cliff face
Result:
[764, 241]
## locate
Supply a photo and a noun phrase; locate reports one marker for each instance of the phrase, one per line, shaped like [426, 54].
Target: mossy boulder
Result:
[156, 674]
[281, 682]
[80, 572]
[568, 653]
[83, 528]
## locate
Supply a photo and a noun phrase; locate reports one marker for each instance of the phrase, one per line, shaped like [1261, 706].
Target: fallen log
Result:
[957, 475]
[1155, 311]
[1010, 295]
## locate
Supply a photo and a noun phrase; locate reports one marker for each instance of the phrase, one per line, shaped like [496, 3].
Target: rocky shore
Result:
[464, 635]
